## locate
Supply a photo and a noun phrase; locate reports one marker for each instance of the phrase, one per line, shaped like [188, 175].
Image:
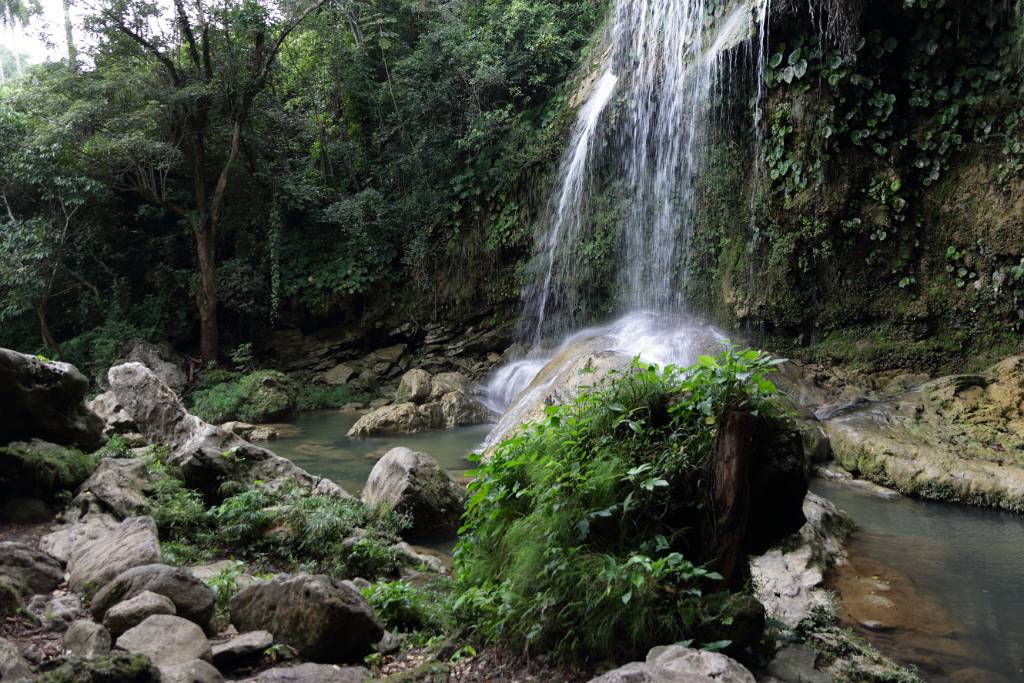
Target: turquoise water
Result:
[323, 449]
[967, 562]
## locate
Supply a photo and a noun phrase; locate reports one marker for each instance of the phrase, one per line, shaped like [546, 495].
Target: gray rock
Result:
[311, 673]
[447, 382]
[120, 486]
[33, 570]
[678, 664]
[400, 418]
[45, 399]
[94, 563]
[13, 666]
[196, 671]
[244, 648]
[462, 410]
[132, 612]
[413, 483]
[160, 359]
[874, 489]
[115, 418]
[414, 386]
[86, 638]
[193, 599]
[67, 539]
[55, 613]
[198, 448]
[338, 376]
[322, 618]
[167, 641]
[414, 558]
[795, 664]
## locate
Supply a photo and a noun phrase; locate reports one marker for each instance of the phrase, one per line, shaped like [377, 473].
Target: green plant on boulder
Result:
[260, 396]
[42, 470]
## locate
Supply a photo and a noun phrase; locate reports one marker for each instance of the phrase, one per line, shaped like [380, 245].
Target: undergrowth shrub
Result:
[257, 397]
[583, 533]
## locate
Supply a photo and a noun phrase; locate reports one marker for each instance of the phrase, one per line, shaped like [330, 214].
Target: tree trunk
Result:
[69, 35]
[44, 328]
[206, 297]
[735, 450]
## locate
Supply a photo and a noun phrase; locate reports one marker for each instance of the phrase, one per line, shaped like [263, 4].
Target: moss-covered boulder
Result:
[39, 469]
[261, 396]
[116, 667]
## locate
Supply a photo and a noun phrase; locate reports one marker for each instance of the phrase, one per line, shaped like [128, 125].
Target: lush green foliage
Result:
[43, 472]
[408, 608]
[583, 532]
[259, 396]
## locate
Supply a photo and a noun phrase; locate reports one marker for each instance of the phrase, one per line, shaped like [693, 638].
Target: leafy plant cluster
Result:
[583, 532]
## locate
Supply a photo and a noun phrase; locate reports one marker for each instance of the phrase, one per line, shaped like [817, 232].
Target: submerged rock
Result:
[206, 455]
[957, 438]
[412, 483]
[324, 619]
[46, 400]
[678, 664]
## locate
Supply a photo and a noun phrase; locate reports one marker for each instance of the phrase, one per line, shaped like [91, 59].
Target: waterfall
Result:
[644, 127]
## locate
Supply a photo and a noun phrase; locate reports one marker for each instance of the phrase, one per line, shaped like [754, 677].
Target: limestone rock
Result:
[55, 613]
[412, 483]
[115, 418]
[311, 673]
[403, 417]
[338, 376]
[64, 541]
[195, 671]
[13, 666]
[132, 612]
[462, 410]
[132, 543]
[447, 382]
[160, 359]
[45, 399]
[197, 447]
[167, 641]
[789, 581]
[192, 599]
[414, 386]
[121, 486]
[86, 638]
[796, 663]
[243, 649]
[32, 570]
[322, 618]
[678, 664]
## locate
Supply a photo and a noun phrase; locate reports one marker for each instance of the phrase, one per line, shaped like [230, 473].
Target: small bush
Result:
[584, 533]
[404, 607]
[260, 396]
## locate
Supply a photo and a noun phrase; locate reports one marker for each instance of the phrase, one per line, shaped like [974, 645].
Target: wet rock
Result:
[195, 671]
[33, 571]
[414, 387]
[874, 489]
[322, 618]
[86, 638]
[447, 382]
[832, 472]
[789, 580]
[311, 673]
[167, 641]
[93, 563]
[55, 613]
[46, 400]
[133, 611]
[462, 410]
[956, 438]
[413, 484]
[115, 418]
[404, 417]
[192, 599]
[198, 448]
[817, 447]
[13, 666]
[241, 650]
[121, 486]
[242, 429]
[678, 664]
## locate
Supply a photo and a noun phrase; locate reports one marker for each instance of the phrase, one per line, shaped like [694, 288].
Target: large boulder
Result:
[120, 486]
[324, 619]
[403, 417]
[194, 671]
[413, 484]
[86, 527]
[160, 358]
[115, 418]
[45, 399]
[338, 376]
[957, 438]
[447, 382]
[192, 599]
[42, 470]
[414, 386]
[679, 664]
[167, 640]
[122, 667]
[206, 455]
[85, 638]
[95, 562]
[789, 580]
[32, 570]
[463, 410]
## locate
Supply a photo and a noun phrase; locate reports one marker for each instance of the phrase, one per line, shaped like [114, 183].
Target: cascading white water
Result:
[667, 57]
